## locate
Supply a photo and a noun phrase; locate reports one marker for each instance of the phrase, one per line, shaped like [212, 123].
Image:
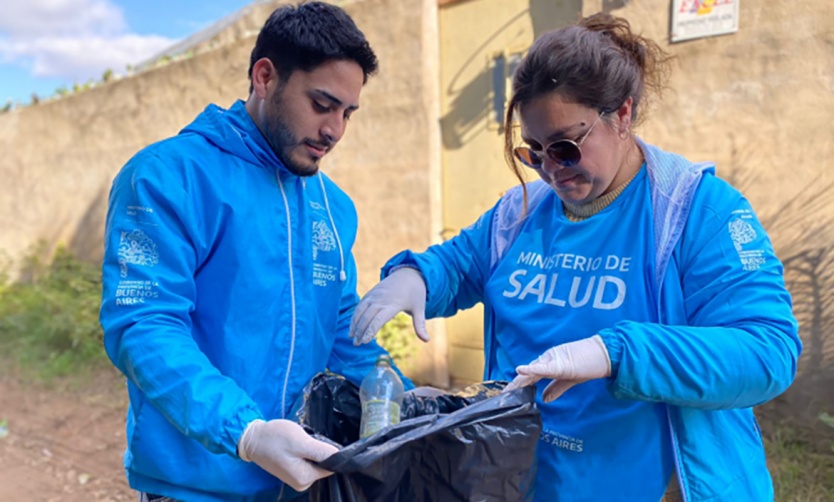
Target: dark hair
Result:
[598, 63]
[308, 35]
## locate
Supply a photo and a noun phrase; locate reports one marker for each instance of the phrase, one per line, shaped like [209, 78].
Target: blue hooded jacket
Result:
[717, 338]
[228, 284]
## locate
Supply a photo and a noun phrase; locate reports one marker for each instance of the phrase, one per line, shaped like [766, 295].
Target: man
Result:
[228, 275]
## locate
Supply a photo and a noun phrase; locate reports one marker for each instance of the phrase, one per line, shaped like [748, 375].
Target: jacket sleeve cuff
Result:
[235, 425]
[407, 259]
[400, 260]
[611, 339]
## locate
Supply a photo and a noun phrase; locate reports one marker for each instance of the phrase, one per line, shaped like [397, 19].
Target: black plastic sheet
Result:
[475, 445]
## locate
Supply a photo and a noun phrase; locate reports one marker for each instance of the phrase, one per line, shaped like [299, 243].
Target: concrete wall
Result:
[59, 157]
[473, 34]
[759, 103]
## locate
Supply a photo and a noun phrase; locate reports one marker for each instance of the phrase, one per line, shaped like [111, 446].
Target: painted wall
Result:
[759, 103]
[475, 36]
[59, 157]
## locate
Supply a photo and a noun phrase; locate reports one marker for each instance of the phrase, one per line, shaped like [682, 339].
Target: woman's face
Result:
[550, 118]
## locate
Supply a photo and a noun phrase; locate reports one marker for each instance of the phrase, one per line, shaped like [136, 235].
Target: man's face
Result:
[304, 116]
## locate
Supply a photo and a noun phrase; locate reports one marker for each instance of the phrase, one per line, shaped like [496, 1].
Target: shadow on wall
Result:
[470, 106]
[801, 233]
[88, 242]
[547, 15]
[810, 278]
[472, 102]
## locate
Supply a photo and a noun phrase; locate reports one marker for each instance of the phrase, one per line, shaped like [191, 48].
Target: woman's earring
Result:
[624, 131]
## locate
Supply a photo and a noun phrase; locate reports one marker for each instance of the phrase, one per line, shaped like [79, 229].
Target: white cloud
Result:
[86, 56]
[36, 18]
[74, 39]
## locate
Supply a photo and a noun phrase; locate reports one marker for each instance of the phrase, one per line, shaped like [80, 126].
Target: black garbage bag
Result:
[475, 445]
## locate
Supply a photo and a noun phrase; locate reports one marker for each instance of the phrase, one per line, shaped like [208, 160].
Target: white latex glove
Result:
[425, 392]
[402, 291]
[567, 365]
[283, 449]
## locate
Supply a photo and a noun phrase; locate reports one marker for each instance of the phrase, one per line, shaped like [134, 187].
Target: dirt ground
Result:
[63, 444]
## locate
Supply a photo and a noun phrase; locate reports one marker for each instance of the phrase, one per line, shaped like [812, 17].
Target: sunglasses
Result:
[564, 152]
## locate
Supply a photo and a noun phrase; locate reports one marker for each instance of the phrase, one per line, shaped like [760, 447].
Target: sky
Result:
[47, 44]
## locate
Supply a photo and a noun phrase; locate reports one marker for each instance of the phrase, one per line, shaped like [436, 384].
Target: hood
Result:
[234, 132]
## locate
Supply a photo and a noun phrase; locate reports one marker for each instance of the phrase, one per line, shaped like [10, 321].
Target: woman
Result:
[634, 286]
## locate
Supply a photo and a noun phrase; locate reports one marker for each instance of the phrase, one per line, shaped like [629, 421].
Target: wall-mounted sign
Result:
[703, 18]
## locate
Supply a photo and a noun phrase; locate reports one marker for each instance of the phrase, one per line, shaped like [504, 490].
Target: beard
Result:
[289, 149]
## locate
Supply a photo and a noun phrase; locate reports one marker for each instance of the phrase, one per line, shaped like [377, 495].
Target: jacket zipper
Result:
[342, 274]
[676, 454]
[292, 296]
[675, 448]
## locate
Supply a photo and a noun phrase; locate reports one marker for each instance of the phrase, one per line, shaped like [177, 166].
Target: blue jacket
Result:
[726, 339]
[228, 284]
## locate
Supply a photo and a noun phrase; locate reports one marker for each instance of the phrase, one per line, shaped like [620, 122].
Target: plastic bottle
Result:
[381, 394]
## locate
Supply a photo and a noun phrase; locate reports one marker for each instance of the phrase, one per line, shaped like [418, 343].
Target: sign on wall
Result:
[703, 18]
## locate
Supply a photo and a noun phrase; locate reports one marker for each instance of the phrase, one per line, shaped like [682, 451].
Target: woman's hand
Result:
[402, 291]
[567, 365]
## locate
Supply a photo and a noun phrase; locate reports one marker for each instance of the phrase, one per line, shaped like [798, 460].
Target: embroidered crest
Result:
[136, 248]
[323, 238]
[742, 232]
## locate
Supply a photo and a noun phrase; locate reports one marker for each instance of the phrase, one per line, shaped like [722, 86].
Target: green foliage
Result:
[76, 87]
[398, 338]
[49, 318]
[107, 76]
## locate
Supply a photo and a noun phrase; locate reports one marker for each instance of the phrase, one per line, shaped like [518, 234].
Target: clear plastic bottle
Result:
[381, 393]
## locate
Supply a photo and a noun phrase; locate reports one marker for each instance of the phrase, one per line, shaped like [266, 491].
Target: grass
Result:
[802, 469]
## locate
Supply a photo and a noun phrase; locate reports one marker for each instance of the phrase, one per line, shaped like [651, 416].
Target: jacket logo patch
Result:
[742, 232]
[323, 238]
[136, 248]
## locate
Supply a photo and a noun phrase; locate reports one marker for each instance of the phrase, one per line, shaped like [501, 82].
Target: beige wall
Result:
[59, 157]
[757, 102]
[474, 173]
[760, 104]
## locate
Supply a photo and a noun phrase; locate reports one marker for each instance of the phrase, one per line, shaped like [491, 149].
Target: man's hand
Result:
[402, 291]
[283, 449]
[567, 365]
